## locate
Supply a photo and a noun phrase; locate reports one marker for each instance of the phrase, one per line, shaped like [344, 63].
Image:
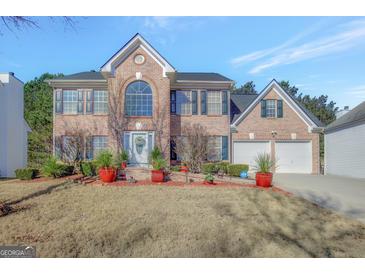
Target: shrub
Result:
[52, 168]
[88, 168]
[26, 173]
[104, 159]
[264, 163]
[175, 168]
[155, 154]
[121, 157]
[236, 169]
[209, 177]
[222, 167]
[209, 168]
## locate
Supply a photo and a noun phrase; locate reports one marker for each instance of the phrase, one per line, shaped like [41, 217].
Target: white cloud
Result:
[358, 91]
[154, 22]
[350, 35]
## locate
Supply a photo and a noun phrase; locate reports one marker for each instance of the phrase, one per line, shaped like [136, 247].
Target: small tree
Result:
[192, 146]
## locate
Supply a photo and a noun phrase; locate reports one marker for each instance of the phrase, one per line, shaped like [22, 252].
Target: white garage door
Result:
[246, 152]
[293, 157]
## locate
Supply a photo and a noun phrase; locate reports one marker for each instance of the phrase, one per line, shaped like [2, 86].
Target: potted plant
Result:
[209, 179]
[104, 162]
[264, 165]
[158, 172]
[184, 167]
[122, 159]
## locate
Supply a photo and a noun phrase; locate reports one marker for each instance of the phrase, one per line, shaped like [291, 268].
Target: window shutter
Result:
[89, 147]
[89, 101]
[126, 142]
[263, 108]
[173, 155]
[58, 106]
[80, 102]
[58, 147]
[224, 102]
[194, 102]
[173, 101]
[224, 147]
[150, 142]
[203, 99]
[280, 108]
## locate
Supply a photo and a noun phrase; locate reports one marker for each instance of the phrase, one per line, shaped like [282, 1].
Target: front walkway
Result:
[344, 195]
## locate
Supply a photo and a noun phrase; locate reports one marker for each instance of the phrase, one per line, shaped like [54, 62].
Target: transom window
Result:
[70, 99]
[138, 99]
[100, 101]
[270, 108]
[99, 143]
[183, 102]
[214, 102]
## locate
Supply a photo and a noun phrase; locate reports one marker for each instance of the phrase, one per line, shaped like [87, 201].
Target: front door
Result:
[139, 146]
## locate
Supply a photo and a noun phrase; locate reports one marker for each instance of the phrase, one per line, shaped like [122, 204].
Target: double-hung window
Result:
[214, 103]
[183, 102]
[70, 101]
[100, 101]
[215, 148]
[99, 143]
[270, 108]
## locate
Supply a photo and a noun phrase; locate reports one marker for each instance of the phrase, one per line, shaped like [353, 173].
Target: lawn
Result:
[66, 219]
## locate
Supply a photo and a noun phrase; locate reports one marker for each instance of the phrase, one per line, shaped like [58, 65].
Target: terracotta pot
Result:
[123, 165]
[157, 176]
[263, 179]
[107, 175]
[184, 169]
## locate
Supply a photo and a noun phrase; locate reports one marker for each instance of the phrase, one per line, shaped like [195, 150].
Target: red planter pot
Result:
[263, 179]
[184, 169]
[123, 165]
[157, 176]
[108, 175]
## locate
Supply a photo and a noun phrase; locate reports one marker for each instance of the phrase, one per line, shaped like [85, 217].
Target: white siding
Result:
[345, 152]
[13, 129]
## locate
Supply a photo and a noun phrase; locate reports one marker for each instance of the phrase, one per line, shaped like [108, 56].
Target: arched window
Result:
[138, 99]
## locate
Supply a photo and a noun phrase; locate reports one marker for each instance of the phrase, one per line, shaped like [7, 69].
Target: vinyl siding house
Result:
[13, 128]
[345, 144]
[157, 101]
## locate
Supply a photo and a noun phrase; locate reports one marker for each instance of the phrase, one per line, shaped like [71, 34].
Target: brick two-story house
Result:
[140, 96]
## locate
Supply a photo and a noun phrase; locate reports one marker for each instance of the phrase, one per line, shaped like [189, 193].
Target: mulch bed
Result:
[193, 184]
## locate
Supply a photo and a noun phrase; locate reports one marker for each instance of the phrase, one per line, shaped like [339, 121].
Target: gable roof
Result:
[302, 112]
[129, 47]
[353, 118]
[201, 77]
[242, 101]
[85, 75]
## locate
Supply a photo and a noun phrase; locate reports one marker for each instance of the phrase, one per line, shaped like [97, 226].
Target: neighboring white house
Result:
[345, 144]
[13, 128]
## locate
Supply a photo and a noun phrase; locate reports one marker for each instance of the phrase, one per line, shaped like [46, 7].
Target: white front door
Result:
[293, 156]
[138, 144]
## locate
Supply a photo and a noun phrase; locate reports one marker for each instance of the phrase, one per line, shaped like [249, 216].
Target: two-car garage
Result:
[292, 156]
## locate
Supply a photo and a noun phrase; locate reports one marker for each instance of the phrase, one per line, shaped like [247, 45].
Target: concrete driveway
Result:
[344, 195]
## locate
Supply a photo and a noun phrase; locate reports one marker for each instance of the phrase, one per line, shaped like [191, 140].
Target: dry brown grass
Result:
[72, 220]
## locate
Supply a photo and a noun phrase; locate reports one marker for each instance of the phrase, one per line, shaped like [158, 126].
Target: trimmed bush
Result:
[209, 168]
[88, 168]
[223, 167]
[52, 168]
[26, 173]
[236, 169]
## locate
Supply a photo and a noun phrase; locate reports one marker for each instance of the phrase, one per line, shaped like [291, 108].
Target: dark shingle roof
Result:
[86, 75]
[352, 118]
[242, 101]
[201, 76]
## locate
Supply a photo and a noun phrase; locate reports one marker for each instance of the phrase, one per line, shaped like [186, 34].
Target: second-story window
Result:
[214, 103]
[100, 101]
[183, 102]
[70, 101]
[270, 109]
[138, 99]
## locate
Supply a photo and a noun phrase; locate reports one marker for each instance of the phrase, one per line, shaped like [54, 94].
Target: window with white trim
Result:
[270, 109]
[100, 101]
[183, 102]
[99, 143]
[214, 103]
[70, 100]
[214, 148]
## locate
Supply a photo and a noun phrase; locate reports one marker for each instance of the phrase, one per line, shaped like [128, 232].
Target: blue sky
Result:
[320, 55]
